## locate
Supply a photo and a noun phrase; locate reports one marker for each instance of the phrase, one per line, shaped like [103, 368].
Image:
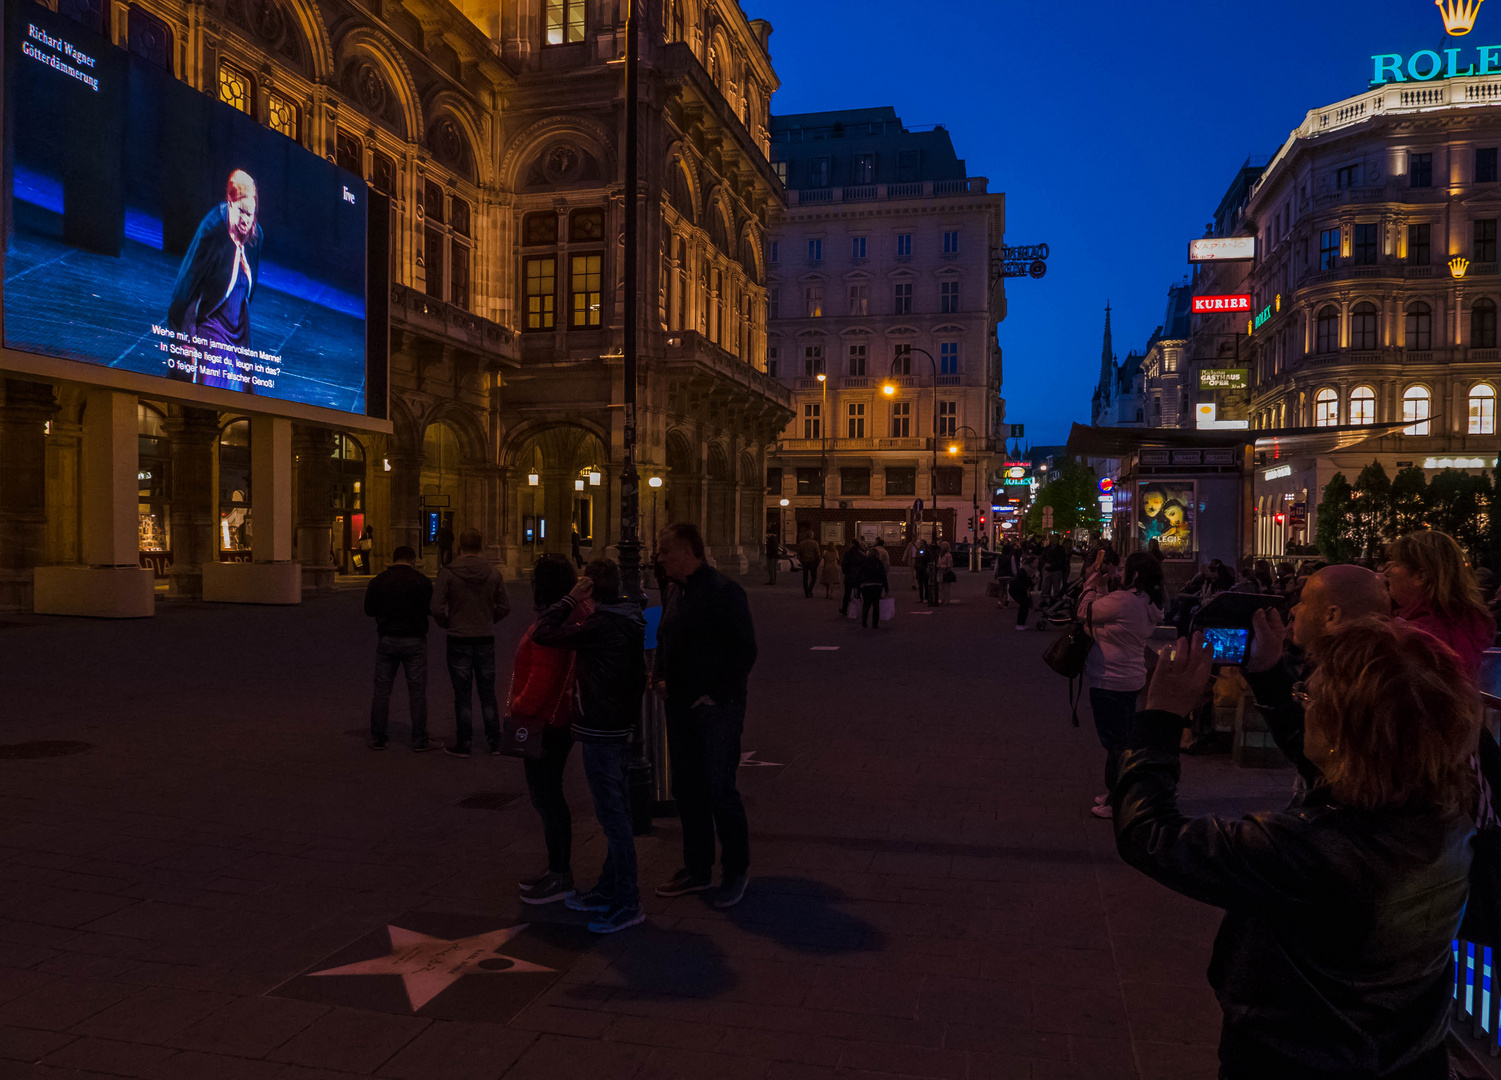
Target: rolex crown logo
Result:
[1459, 15]
[1458, 266]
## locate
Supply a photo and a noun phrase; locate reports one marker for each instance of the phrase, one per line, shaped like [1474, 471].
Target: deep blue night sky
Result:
[1113, 128]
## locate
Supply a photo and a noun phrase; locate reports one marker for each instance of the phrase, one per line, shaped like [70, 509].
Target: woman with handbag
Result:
[542, 690]
[1121, 621]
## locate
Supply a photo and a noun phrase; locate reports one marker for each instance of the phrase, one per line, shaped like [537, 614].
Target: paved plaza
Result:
[214, 878]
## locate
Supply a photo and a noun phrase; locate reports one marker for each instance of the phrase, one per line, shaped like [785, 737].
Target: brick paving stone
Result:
[249, 1027]
[349, 1040]
[453, 1050]
[192, 1065]
[152, 1015]
[63, 1002]
[29, 1044]
[554, 1056]
[109, 1056]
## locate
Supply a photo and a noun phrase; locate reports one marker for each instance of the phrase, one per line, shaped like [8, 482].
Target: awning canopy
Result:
[1085, 441]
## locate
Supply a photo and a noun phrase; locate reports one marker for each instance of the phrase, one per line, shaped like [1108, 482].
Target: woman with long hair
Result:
[542, 688]
[1121, 621]
[1334, 959]
[1434, 589]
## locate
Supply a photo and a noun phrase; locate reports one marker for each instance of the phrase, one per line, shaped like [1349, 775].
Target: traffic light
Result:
[982, 519]
[971, 524]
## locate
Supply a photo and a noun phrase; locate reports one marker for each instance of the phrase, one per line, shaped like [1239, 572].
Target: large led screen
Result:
[157, 230]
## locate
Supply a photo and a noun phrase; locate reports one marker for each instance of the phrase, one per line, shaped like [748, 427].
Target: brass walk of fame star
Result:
[429, 965]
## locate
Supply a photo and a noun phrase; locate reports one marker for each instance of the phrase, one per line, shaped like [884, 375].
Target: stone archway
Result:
[547, 467]
[684, 500]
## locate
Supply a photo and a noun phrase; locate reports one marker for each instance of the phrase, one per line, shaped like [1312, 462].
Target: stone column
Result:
[111, 583]
[406, 491]
[24, 411]
[271, 577]
[194, 434]
[314, 448]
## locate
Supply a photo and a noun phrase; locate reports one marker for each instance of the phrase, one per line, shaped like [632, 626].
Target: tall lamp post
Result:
[974, 521]
[823, 430]
[889, 389]
[629, 545]
[655, 483]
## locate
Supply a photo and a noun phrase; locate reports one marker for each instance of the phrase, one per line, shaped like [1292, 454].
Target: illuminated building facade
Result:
[888, 251]
[482, 126]
[1375, 292]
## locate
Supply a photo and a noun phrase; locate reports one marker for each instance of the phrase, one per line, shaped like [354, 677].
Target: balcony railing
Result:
[419, 313]
[851, 445]
[973, 185]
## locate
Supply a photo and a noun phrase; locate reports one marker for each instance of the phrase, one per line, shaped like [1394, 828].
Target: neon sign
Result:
[1425, 65]
[1261, 317]
[1208, 305]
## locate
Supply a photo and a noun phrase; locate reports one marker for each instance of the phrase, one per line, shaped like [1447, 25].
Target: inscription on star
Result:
[429, 965]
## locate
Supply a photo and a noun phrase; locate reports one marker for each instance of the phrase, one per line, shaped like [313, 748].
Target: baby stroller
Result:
[1060, 611]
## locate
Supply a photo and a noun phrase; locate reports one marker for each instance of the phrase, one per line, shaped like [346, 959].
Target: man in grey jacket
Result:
[469, 598]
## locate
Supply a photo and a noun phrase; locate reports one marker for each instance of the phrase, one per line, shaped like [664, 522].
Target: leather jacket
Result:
[1334, 956]
[610, 675]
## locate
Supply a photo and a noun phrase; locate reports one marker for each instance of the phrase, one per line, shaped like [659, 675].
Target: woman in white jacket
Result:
[1122, 620]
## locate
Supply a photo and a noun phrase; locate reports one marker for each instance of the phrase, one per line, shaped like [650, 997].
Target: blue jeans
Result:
[392, 653]
[703, 745]
[472, 660]
[1114, 714]
[605, 764]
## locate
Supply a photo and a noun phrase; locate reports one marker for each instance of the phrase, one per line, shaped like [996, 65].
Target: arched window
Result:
[1419, 327]
[1362, 405]
[1326, 408]
[1416, 410]
[1327, 330]
[1482, 410]
[1483, 324]
[1364, 322]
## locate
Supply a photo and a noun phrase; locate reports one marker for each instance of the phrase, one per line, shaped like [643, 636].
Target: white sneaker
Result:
[1021, 627]
[1102, 811]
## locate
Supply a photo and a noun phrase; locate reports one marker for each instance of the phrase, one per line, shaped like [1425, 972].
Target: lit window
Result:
[1326, 409]
[281, 114]
[541, 281]
[234, 87]
[813, 301]
[1416, 405]
[565, 22]
[584, 272]
[1362, 405]
[1482, 410]
[859, 299]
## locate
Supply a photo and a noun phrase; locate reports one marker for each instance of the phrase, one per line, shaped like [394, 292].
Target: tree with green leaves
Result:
[1408, 500]
[1336, 518]
[1456, 502]
[1371, 510]
[1073, 493]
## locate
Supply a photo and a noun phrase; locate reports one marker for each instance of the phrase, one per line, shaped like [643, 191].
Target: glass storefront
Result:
[234, 492]
[153, 476]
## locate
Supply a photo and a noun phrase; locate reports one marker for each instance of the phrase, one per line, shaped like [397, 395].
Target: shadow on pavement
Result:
[655, 963]
[804, 915]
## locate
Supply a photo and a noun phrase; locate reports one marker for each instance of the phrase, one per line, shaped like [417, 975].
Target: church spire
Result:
[1107, 358]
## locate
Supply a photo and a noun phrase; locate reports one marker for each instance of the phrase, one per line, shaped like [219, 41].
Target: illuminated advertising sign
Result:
[1261, 317]
[1210, 305]
[158, 231]
[1222, 249]
[1224, 378]
[1425, 65]
[1107, 485]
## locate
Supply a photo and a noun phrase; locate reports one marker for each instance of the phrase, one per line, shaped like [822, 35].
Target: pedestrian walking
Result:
[921, 571]
[1335, 956]
[883, 554]
[773, 552]
[1006, 563]
[445, 540]
[1021, 589]
[909, 557]
[610, 679]
[808, 557]
[946, 575]
[706, 648]
[1055, 560]
[873, 585]
[1121, 621]
[849, 567]
[575, 544]
[397, 599]
[830, 575]
[542, 689]
[366, 548]
[469, 598]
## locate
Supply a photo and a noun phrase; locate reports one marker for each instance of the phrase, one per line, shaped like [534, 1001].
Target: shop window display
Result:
[234, 492]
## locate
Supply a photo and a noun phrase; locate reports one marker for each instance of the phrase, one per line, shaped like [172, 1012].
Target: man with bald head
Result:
[1333, 596]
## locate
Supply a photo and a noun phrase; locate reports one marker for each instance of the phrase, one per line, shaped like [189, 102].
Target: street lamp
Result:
[823, 430]
[889, 389]
[655, 483]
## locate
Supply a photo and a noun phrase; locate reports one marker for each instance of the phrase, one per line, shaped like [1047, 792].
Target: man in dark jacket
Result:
[849, 569]
[872, 582]
[809, 554]
[773, 553]
[398, 598]
[706, 648]
[608, 684]
[469, 598]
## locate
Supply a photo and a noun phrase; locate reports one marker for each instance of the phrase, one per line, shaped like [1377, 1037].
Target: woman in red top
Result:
[542, 688]
[1434, 589]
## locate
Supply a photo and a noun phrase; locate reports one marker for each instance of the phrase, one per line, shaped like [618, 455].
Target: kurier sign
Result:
[1425, 65]
[1210, 305]
[1222, 249]
[1224, 378]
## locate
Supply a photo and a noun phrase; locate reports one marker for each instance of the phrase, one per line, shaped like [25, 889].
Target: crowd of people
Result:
[580, 675]
[1334, 958]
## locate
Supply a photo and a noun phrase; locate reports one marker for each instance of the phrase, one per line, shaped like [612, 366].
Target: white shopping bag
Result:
[854, 608]
[888, 608]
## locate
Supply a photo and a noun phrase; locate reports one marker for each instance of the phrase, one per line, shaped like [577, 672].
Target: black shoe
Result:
[528, 884]
[424, 745]
[731, 891]
[683, 883]
[619, 917]
[376, 744]
[593, 900]
[456, 751]
[549, 890]
[495, 749]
